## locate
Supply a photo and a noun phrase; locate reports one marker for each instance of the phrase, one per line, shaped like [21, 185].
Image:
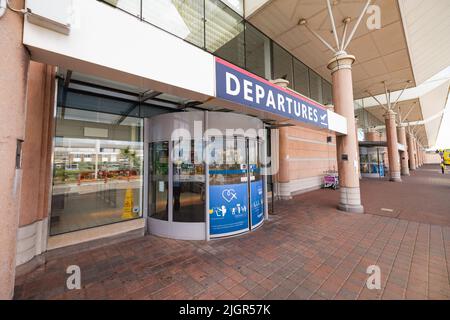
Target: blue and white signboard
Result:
[257, 202]
[228, 209]
[239, 86]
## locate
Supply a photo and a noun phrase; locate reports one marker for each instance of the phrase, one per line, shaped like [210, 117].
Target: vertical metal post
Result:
[170, 182]
[204, 24]
[144, 169]
[264, 145]
[330, 13]
[378, 162]
[356, 25]
[267, 59]
[249, 186]
[245, 43]
[206, 159]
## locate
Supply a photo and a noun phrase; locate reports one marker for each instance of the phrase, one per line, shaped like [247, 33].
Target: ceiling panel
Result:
[427, 26]
[381, 55]
[397, 60]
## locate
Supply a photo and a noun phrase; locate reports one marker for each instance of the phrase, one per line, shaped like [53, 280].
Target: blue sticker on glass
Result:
[228, 208]
[257, 199]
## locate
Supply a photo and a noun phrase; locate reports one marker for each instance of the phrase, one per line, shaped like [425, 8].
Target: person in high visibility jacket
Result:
[443, 166]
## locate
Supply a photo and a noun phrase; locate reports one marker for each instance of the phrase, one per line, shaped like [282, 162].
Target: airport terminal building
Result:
[189, 119]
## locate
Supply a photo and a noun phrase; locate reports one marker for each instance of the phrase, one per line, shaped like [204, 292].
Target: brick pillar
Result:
[416, 152]
[422, 155]
[392, 142]
[412, 160]
[13, 76]
[401, 133]
[346, 145]
[372, 135]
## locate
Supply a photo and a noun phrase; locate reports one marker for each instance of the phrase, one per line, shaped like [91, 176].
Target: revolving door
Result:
[206, 185]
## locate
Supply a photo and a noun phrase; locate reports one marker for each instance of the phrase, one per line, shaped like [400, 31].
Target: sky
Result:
[443, 139]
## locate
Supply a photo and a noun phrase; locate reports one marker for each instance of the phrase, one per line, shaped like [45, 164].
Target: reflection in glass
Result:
[253, 160]
[236, 5]
[256, 183]
[315, 86]
[257, 52]
[327, 92]
[282, 64]
[228, 163]
[188, 181]
[218, 27]
[159, 181]
[224, 32]
[183, 18]
[130, 6]
[97, 173]
[371, 160]
[301, 78]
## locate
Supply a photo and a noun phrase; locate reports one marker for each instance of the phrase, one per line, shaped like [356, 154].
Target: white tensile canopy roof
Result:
[413, 44]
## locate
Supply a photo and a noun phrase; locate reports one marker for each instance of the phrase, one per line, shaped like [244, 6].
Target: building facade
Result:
[93, 158]
[181, 119]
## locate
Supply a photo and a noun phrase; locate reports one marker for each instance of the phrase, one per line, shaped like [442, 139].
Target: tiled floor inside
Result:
[308, 250]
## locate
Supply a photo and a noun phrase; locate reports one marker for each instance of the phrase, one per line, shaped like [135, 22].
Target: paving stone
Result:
[308, 250]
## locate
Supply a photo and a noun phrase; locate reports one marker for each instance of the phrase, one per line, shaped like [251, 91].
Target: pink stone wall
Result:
[13, 73]
[309, 153]
[38, 142]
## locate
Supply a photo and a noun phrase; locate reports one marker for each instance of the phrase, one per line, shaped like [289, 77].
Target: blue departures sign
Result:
[237, 85]
[228, 209]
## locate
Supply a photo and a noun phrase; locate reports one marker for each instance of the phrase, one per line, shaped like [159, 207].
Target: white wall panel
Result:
[103, 36]
[337, 122]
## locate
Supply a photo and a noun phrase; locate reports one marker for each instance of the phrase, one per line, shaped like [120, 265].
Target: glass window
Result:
[130, 6]
[224, 32]
[159, 181]
[227, 160]
[301, 78]
[97, 174]
[188, 181]
[282, 64]
[257, 52]
[236, 5]
[267, 163]
[96, 102]
[327, 92]
[183, 18]
[315, 86]
[228, 185]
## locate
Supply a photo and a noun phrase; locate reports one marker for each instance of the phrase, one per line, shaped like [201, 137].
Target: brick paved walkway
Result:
[308, 250]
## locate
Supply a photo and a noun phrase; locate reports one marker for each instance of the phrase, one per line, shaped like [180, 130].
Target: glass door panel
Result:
[159, 180]
[256, 183]
[228, 187]
[188, 181]
[97, 170]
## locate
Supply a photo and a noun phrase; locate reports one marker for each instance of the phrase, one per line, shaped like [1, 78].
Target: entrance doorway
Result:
[206, 186]
[236, 189]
